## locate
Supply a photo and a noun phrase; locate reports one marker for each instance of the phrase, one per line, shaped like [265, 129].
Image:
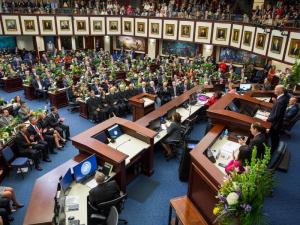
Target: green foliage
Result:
[295, 75]
[251, 188]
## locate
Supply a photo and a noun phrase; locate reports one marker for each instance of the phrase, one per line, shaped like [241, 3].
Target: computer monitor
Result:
[245, 87]
[66, 181]
[233, 107]
[115, 131]
[155, 124]
[101, 137]
[170, 113]
[85, 168]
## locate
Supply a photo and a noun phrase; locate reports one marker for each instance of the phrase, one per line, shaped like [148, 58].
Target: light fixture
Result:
[284, 33]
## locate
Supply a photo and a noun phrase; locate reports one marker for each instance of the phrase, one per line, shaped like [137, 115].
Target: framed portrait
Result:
[170, 29]
[293, 49]
[155, 26]
[235, 35]
[64, 25]
[29, 25]
[221, 34]
[128, 26]
[247, 38]
[141, 27]
[81, 25]
[47, 25]
[276, 44]
[97, 25]
[11, 25]
[203, 32]
[186, 30]
[113, 25]
[260, 41]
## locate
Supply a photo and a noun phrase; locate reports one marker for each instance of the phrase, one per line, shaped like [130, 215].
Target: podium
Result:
[28, 92]
[142, 104]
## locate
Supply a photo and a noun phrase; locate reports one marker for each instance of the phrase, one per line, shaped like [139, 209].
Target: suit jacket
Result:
[95, 88]
[258, 141]
[23, 113]
[172, 91]
[291, 112]
[53, 120]
[36, 85]
[278, 110]
[5, 121]
[21, 142]
[104, 192]
[32, 131]
[93, 104]
[174, 132]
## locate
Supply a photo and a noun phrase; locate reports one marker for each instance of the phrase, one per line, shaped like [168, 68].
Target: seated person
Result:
[174, 134]
[16, 102]
[26, 148]
[238, 164]
[93, 105]
[258, 140]
[104, 191]
[212, 100]
[5, 118]
[9, 193]
[57, 123]
[24, 112]
[39, 87]
[291, 111]
[232, 89]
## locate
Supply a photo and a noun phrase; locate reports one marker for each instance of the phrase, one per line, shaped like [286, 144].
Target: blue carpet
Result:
[153, 207]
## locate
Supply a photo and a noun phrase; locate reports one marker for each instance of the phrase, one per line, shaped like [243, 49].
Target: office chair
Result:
[288, 127]
[15, 162]
[111, 219]
[102, 210]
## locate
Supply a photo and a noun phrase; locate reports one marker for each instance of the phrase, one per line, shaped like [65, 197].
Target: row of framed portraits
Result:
[249, 38]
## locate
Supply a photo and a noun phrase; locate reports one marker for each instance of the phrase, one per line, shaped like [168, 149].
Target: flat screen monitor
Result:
[245, 87]
[85, 168]
[115, 131]
[170, 113]
[101, 137]
[155, 124]
[233, 107]
[66, 181]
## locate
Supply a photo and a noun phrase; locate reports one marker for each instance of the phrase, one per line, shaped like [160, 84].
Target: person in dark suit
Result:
[164, 93]
[39, 87]
[173, 134]
[95, 87]
[259, 141]
[277, 114]
[291, 111]
[27, 148]
[57, 123]
[295, 50]
[93, 104]
[175, 90]
[104, 191]
[37, 135]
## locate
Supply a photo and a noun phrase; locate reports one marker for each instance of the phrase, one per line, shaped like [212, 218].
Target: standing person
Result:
[56, 122]
[277, 114]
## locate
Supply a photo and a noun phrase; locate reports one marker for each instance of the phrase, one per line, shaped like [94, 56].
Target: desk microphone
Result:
[123, 143]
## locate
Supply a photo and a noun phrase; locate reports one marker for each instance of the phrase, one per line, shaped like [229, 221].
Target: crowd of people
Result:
[278, 13]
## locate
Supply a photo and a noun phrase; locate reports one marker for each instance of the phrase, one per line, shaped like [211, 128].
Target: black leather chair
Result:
[288, 127]
[100, 213]
[111, 219]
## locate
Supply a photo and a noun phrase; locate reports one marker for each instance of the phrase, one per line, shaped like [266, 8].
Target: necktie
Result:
[39, 133]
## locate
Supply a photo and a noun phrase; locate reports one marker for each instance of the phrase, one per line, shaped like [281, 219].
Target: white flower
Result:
[232, 198]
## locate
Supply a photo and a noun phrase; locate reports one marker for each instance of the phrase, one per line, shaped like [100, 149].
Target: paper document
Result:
[91, 184]
[229, 147]
[147, 102]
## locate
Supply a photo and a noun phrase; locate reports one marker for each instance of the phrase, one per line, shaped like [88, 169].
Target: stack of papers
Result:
[229, 147]
[91, 184]
[263, 115]
[72, 202]
[147, 102]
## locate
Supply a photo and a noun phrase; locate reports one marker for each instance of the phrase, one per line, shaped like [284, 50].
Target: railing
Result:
[228, 17]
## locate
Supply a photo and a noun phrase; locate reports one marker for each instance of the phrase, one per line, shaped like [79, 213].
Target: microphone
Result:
[123, 143]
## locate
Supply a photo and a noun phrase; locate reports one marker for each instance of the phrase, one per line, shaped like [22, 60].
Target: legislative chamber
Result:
[149, 112]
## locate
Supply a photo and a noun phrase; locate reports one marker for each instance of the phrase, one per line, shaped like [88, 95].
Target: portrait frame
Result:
[64, 25]
[294, 48]
[97, 25]
[113, 25]
[138, 44]
[173, 25]
[141, 22]
[151, 23]
[259, 50]
[42, 20]
[248, 38]
[186, 30]
[127, 26]
[216, 33]
[236, 35]
[203, 25]
[29, 26]
[279, 52]
[11, 25]
[293, 39]
[260, 40]
[81, 25]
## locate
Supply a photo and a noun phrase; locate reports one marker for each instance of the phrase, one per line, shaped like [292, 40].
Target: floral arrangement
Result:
[53, 87]
[295, 75]
[242, 195]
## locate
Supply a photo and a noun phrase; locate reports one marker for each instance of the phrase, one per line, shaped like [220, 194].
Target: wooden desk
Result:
[59, 98]
[87, 144]
[83, 109]
[139, 107]
[28, 92]
[40, 210]
[219, 112]
[12, 84]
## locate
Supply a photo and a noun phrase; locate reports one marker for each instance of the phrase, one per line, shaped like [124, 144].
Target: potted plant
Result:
[294, 79]
[241, 196]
